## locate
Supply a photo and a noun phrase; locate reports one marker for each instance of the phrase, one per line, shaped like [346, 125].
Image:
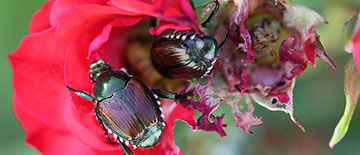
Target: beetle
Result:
[186, 54]
[126, 107]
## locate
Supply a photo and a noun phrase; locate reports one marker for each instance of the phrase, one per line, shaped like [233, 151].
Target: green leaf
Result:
[192, 4]
[352, 93]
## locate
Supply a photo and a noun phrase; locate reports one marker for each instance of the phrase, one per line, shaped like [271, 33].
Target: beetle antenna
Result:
[212, 13]
[226, 38]
[82, 94]
[67, 87]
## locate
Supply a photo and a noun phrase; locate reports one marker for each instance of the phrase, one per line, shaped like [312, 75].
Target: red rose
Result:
[65, 36]
[355, 43]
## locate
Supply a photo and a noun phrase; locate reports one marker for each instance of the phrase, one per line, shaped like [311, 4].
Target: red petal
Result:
[167, 25]
[62, 7]
[309, 51]
[87, 130]
[38, 78]
[294, 58]
[49, 141]
[112, 40]
[356, 47]
[84, 23]
[40, 20]
[170, 11]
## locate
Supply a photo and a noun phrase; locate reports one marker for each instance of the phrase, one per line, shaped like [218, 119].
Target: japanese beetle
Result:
[185, 54]
[126, 107]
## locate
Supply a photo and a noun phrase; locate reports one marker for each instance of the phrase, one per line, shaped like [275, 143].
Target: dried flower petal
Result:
[288, 108]
[206, 103]
[244, 117]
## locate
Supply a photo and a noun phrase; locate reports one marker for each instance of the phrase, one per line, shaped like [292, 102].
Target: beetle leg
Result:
[166, 94]
[124, 148]
[212, 13]
[82, 94]
[102, 124]
[225, 39]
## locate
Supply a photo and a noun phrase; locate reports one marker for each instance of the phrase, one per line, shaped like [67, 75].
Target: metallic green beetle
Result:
[126, 107]
[186, 54]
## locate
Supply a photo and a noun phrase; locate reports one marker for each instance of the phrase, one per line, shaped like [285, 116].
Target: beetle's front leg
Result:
[212, 14]
[170, 95]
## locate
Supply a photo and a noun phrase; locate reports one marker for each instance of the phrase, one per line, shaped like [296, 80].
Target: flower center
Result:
[266, 33]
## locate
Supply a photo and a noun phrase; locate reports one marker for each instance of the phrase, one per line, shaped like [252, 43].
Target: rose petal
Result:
[167, 25]
[62, 7]
[40, 20]
[38, 78]
[355, 42]
[45, 139]
[292, 60]
[310, 53]
[87, 130]
[356, 50]
[84, 24]
[119, 37]
[172, 11]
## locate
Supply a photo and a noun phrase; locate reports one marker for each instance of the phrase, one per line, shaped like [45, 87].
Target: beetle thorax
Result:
[108, 82]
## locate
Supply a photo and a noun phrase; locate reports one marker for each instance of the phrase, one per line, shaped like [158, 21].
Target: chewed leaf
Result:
[287, 108]
[352, 93]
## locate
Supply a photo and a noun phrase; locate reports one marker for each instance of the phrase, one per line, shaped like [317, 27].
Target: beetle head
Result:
[97, 68]
[207, 48]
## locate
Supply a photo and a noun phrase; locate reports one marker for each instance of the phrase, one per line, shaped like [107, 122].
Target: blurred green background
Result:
[318, 97]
